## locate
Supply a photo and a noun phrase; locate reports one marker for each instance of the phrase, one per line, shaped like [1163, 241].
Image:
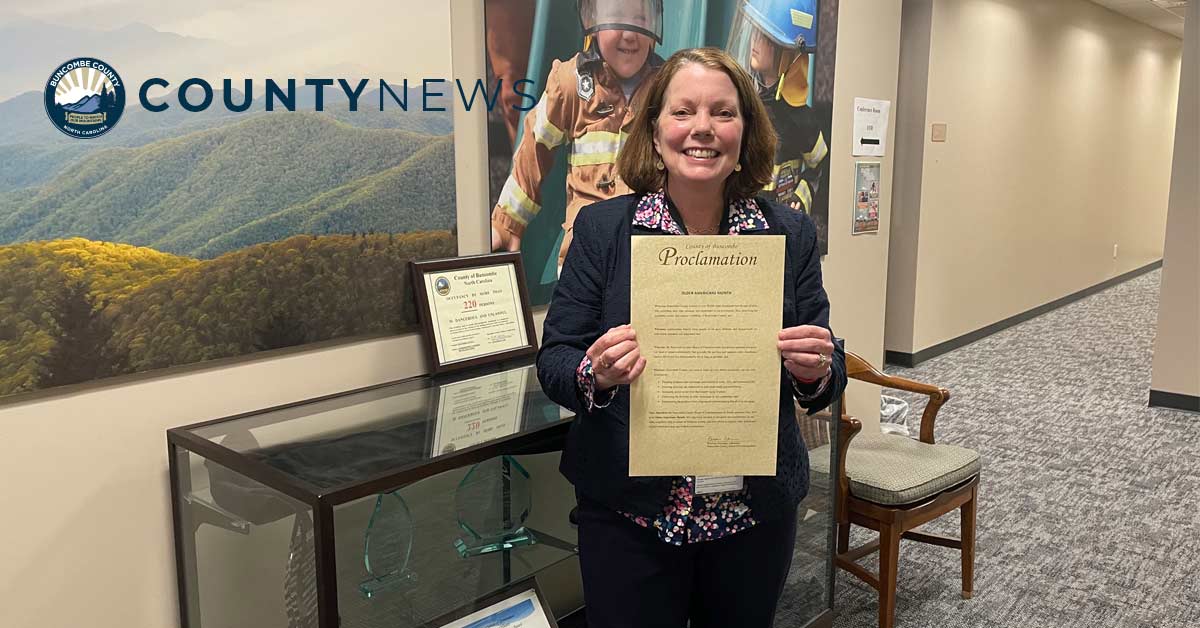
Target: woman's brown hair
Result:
[636, 162]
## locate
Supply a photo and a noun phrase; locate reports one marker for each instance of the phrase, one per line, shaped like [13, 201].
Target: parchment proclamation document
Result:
[707, 311]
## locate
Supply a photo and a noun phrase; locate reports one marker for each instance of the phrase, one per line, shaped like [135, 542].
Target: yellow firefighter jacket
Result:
[584, 107]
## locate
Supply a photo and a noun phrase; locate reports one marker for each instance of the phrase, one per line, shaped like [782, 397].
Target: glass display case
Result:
[397, 504]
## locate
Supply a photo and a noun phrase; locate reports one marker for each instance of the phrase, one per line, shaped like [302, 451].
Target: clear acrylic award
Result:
[492, 503]
[387, 544]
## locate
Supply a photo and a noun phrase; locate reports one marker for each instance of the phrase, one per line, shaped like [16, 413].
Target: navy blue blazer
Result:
[592, 296]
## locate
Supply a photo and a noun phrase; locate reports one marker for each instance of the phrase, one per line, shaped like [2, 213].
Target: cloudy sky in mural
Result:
[235, 39]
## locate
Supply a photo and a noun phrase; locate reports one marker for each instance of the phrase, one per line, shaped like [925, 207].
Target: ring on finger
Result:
[822, 360]
[605, 364]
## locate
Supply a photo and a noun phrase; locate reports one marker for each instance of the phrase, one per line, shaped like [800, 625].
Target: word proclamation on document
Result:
[707, 311]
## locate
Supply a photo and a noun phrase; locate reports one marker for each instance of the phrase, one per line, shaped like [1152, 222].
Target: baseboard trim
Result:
[910, 360]
[1174, 401]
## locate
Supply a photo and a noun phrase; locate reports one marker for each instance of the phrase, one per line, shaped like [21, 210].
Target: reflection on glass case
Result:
[398, 504]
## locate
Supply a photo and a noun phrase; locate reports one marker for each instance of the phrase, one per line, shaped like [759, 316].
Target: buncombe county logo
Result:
[85, 97]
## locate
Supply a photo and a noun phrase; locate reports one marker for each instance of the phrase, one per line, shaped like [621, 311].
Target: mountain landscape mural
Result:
[182, 237]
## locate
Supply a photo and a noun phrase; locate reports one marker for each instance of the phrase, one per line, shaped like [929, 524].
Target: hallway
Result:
[1087, 511]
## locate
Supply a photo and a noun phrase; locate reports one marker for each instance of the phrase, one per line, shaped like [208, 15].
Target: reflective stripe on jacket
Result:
[595, 129]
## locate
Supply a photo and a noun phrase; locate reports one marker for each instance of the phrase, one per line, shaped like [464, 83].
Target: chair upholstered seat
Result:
[891, 470]
[893, 484]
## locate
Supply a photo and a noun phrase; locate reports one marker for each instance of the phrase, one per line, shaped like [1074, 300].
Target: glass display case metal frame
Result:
[546, 437]
[543, 436]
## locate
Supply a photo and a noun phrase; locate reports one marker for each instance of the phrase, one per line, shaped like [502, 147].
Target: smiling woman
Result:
[728, 99]
[675, 551]
[698, 135]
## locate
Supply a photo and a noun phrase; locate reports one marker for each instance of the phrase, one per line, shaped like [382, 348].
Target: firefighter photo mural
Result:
[590, 61]
[586, 108]
[776, 41]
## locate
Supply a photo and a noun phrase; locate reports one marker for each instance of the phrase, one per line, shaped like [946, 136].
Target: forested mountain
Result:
[75, 310]
[413, 196]
[239, 232]
[182, 194]
[41, 280]
[33, 152]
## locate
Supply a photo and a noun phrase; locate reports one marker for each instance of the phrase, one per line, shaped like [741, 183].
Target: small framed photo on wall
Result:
[866, 197]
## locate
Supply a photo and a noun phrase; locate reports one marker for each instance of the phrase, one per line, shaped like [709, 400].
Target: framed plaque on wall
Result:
[473, 310]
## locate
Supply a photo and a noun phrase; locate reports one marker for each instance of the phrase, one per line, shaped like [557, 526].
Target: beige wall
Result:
[87, 523]
[855, 271]
[1177, 345]
[909, 151]
[1061, 117]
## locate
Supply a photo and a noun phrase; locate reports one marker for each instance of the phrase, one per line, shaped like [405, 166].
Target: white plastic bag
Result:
[893, 415]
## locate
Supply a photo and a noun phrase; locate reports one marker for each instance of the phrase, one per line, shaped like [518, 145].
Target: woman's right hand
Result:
[615, 358]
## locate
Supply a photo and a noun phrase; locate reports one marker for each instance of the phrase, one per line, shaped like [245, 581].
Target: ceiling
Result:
[1165, 15]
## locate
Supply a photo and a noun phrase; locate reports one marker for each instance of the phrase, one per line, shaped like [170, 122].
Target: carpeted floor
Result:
[1089, 509]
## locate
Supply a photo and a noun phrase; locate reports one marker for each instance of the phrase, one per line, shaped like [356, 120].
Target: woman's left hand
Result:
[807, 351]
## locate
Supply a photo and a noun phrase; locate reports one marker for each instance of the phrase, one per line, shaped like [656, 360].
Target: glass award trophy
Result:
[387, 544]
[492, 503]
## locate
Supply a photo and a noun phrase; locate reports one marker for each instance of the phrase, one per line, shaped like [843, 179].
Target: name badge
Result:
[719, 484]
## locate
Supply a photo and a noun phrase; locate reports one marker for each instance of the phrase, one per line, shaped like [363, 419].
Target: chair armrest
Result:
[848, 428]
[860, 369]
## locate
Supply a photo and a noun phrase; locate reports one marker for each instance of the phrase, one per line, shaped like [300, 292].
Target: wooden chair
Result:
[892, 484]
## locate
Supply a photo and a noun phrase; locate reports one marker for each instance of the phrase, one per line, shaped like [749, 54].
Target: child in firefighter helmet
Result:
[588, 104]
[774, 41]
